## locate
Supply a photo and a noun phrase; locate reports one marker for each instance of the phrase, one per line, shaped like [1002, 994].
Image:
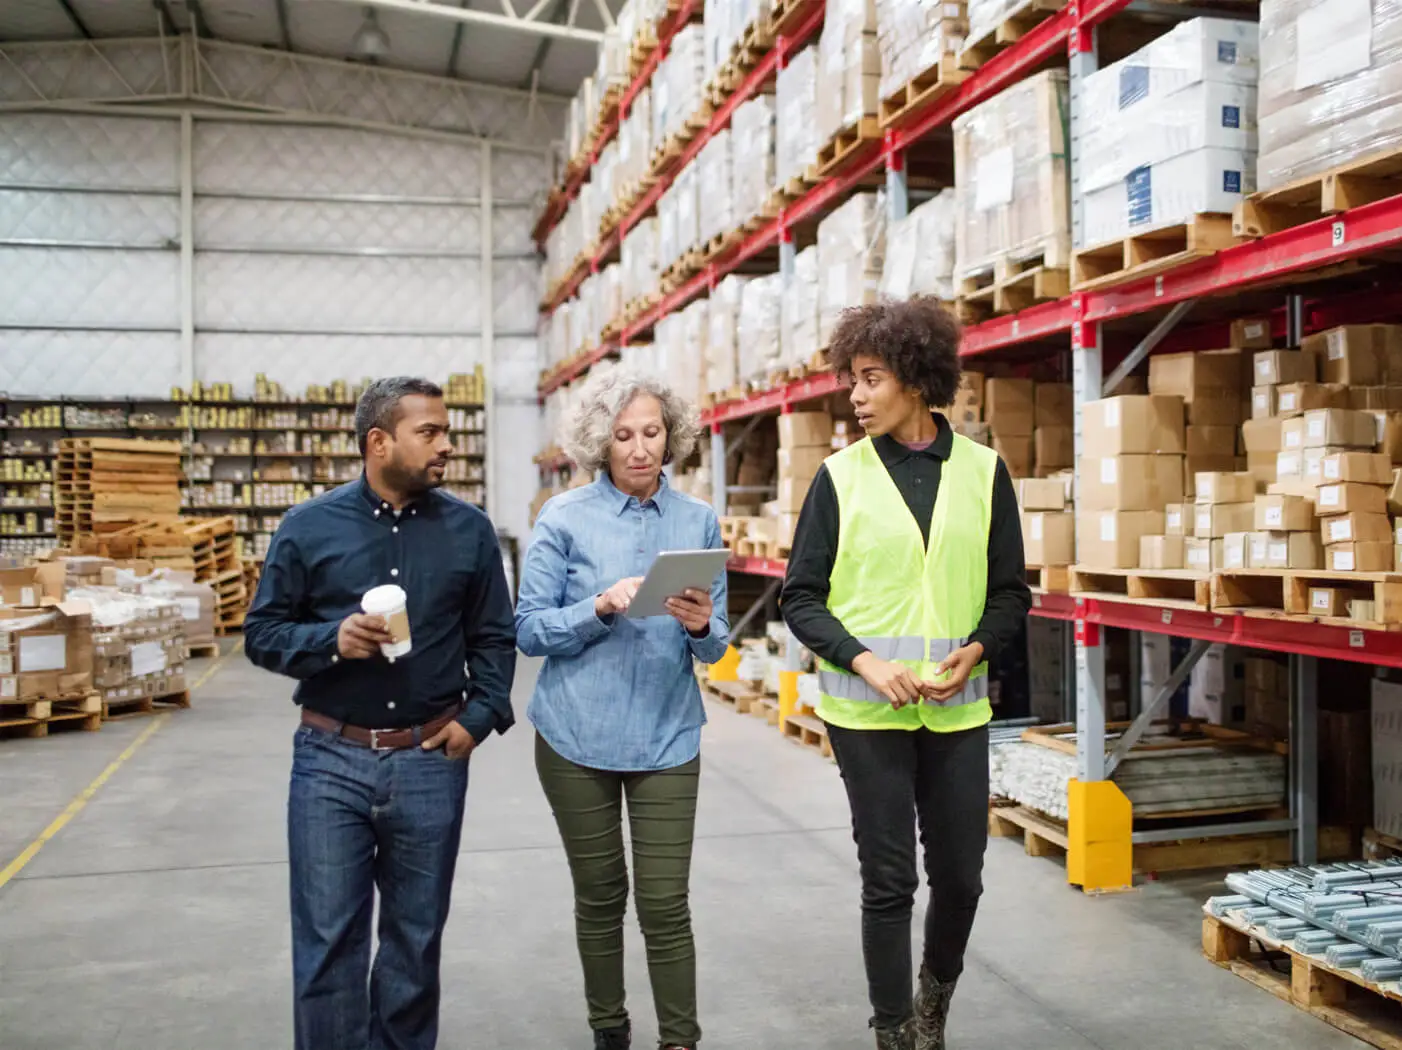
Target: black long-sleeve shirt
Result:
[917, 476]
[444, 554]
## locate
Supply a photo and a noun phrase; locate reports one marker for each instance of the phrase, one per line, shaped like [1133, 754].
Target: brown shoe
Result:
[901, 1037]
[931, 1011]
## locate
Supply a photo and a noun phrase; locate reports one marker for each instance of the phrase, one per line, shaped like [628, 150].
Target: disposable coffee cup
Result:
[390, 601]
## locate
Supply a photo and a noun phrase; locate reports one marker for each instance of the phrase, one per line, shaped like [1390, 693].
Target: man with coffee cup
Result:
[388, 601]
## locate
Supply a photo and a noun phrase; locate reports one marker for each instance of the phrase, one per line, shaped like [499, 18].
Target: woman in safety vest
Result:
[906, 578]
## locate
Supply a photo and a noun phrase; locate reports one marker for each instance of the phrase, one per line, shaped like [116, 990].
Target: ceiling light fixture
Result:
[370, 42]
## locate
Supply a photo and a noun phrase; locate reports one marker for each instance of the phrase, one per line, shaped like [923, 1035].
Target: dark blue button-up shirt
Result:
[329, 551]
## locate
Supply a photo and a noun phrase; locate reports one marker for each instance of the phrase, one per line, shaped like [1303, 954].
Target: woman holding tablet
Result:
[906, 578]
[617, 710]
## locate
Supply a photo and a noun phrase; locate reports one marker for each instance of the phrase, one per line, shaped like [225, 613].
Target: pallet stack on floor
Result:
[105, 484]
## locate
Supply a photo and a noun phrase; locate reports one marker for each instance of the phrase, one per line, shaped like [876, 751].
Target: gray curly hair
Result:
[588, 431]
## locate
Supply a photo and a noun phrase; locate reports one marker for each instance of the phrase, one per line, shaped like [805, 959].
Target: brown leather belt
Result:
[381, 739]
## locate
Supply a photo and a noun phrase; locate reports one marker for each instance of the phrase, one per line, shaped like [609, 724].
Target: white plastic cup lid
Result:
[383, 599]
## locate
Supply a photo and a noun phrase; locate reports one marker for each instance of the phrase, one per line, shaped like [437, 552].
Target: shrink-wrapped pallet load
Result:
[920, 251]
[851, 250]
[752, 160]
[796, 100]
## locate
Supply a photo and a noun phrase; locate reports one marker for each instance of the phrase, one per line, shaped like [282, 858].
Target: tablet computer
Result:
[673, 572]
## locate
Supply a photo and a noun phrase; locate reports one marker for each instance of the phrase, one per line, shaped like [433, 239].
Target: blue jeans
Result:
[357, 821]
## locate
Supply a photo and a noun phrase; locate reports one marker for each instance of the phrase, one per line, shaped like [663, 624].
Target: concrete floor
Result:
[157, 919]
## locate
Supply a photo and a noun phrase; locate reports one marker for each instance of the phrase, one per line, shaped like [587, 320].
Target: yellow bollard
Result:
[788, 696]
[1099, 853]
[727, 668]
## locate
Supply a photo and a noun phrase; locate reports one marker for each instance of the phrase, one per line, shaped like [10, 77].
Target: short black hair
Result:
[917, 339]
[379, 405]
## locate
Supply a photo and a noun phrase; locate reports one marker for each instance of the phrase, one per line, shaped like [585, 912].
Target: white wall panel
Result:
[309, 293]
[515, 434]
[90, 364]
[299, 226]
[511, 229]
[327, 162]
[126, 219]
[296, 360]
[514, 289]
[519, 177]
[65, 151]
[90, 288]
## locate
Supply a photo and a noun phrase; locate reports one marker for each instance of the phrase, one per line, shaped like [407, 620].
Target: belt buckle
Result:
[375, 740]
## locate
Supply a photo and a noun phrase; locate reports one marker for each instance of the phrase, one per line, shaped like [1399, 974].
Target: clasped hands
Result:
[898, 683]
[692, 608]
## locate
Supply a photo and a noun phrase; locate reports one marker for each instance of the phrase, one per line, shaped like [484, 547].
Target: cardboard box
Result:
[1341, 428]
[1277, 367]
[1375, 398]
[1292, 434]
[1328, 601]
[1264, 402]
[1131, 482]
[805, 429]
[1251, 333]
[1178, 519]
[1161, 552]
[1049, 538]
[1041, 494]
[1261, 466]
[1367, 468]
[1394, 494]
[1236, 550]
[1009, 405]
[1215, 487]
[1214, 464]
[1295, 399]
[1348, 354]
[1219, 519]
[1054, 447]
[1017, 451]
[1205, 440]
[792, 493]
[1283, 513]
[1134, 425]
[46, 652]
[1208, 382]
[1055, 405]
[1197, 554]
[1286, 550]
[1261, 435]
[34, 585]
[1347, 497]
[802, 462]
[1355, 528]
[1110, 539]
[1360, 557]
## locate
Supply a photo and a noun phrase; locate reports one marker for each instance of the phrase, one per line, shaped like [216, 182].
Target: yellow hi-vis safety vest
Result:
[907, 602]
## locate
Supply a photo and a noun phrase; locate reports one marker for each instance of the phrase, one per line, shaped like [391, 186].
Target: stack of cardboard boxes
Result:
[46, 650]
[1048, 521]
[1010, 410]
[1210, 385]
[805, 440]
[139, 645]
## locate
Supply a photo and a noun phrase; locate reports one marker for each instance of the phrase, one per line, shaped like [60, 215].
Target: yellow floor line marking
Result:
[76, 806]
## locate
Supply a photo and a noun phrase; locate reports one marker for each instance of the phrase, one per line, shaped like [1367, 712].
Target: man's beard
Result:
[410, 482]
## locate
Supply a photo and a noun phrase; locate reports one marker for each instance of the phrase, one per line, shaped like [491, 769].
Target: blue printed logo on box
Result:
[1231, 181]
[1134, 85]
[1231, 116]
[1226, 52]
[1139, 190]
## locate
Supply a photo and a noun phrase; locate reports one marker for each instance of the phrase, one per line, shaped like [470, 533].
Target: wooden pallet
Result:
[643, 45]
[58, 721]
[810, 731]
[784, 15]
[922, 89]
[21, 711]
[1026, 17]
[835, 154]
[202, 652]
[1045, 836]
[116, 710]
[1151, 252]
[1049, 579]
[1306, 199]
[1339, 997]
[1283, 594]
[1377, 846]
[1012, 283]
[743, 696]
[1163, 588]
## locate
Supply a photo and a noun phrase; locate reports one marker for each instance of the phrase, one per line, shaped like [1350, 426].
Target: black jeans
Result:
[894, 778]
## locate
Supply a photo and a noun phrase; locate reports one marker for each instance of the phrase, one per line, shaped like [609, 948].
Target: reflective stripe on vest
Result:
[854, 687]
[900, 647]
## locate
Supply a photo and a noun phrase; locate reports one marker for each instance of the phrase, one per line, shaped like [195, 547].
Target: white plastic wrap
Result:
[1171, 130]
[1010, 160]
[634, 144]
[722, 337]
[716, 202]
[914, 36]
[725, 24]
[920, 251]
[758, 329]
[687, 189]
[851, 253]
[849, 66]
[1336, 100]
[796, 101]
[799, 336]
[687, 370]
[683, 71]
[638, 258]
[612, 68]
[668, 250]
[984, 15]
[752, 146]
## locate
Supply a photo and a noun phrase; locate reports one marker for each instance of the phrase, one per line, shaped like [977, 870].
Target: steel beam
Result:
[488, 343]
[78, 23]
[1146, 346]
[1304, 756]
[1208, 831]
[1140, 725]
[283, 24]
[187, 250]
[770, 591]
[475, 17]
[719, 458]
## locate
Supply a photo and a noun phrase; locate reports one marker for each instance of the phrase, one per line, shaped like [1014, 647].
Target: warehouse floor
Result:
[157, 918]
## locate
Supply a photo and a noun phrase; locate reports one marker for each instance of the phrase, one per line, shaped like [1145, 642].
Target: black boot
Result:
[931, 1011]
[613, 1038]
[901, 1037]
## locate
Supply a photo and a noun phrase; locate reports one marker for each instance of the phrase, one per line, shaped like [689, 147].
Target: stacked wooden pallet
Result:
[107, 484]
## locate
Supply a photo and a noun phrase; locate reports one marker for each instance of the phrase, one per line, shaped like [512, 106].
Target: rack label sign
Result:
[1338, 233]
[1355, 639]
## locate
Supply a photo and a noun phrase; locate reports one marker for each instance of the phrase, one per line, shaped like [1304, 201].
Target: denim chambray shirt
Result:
[614, 693]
